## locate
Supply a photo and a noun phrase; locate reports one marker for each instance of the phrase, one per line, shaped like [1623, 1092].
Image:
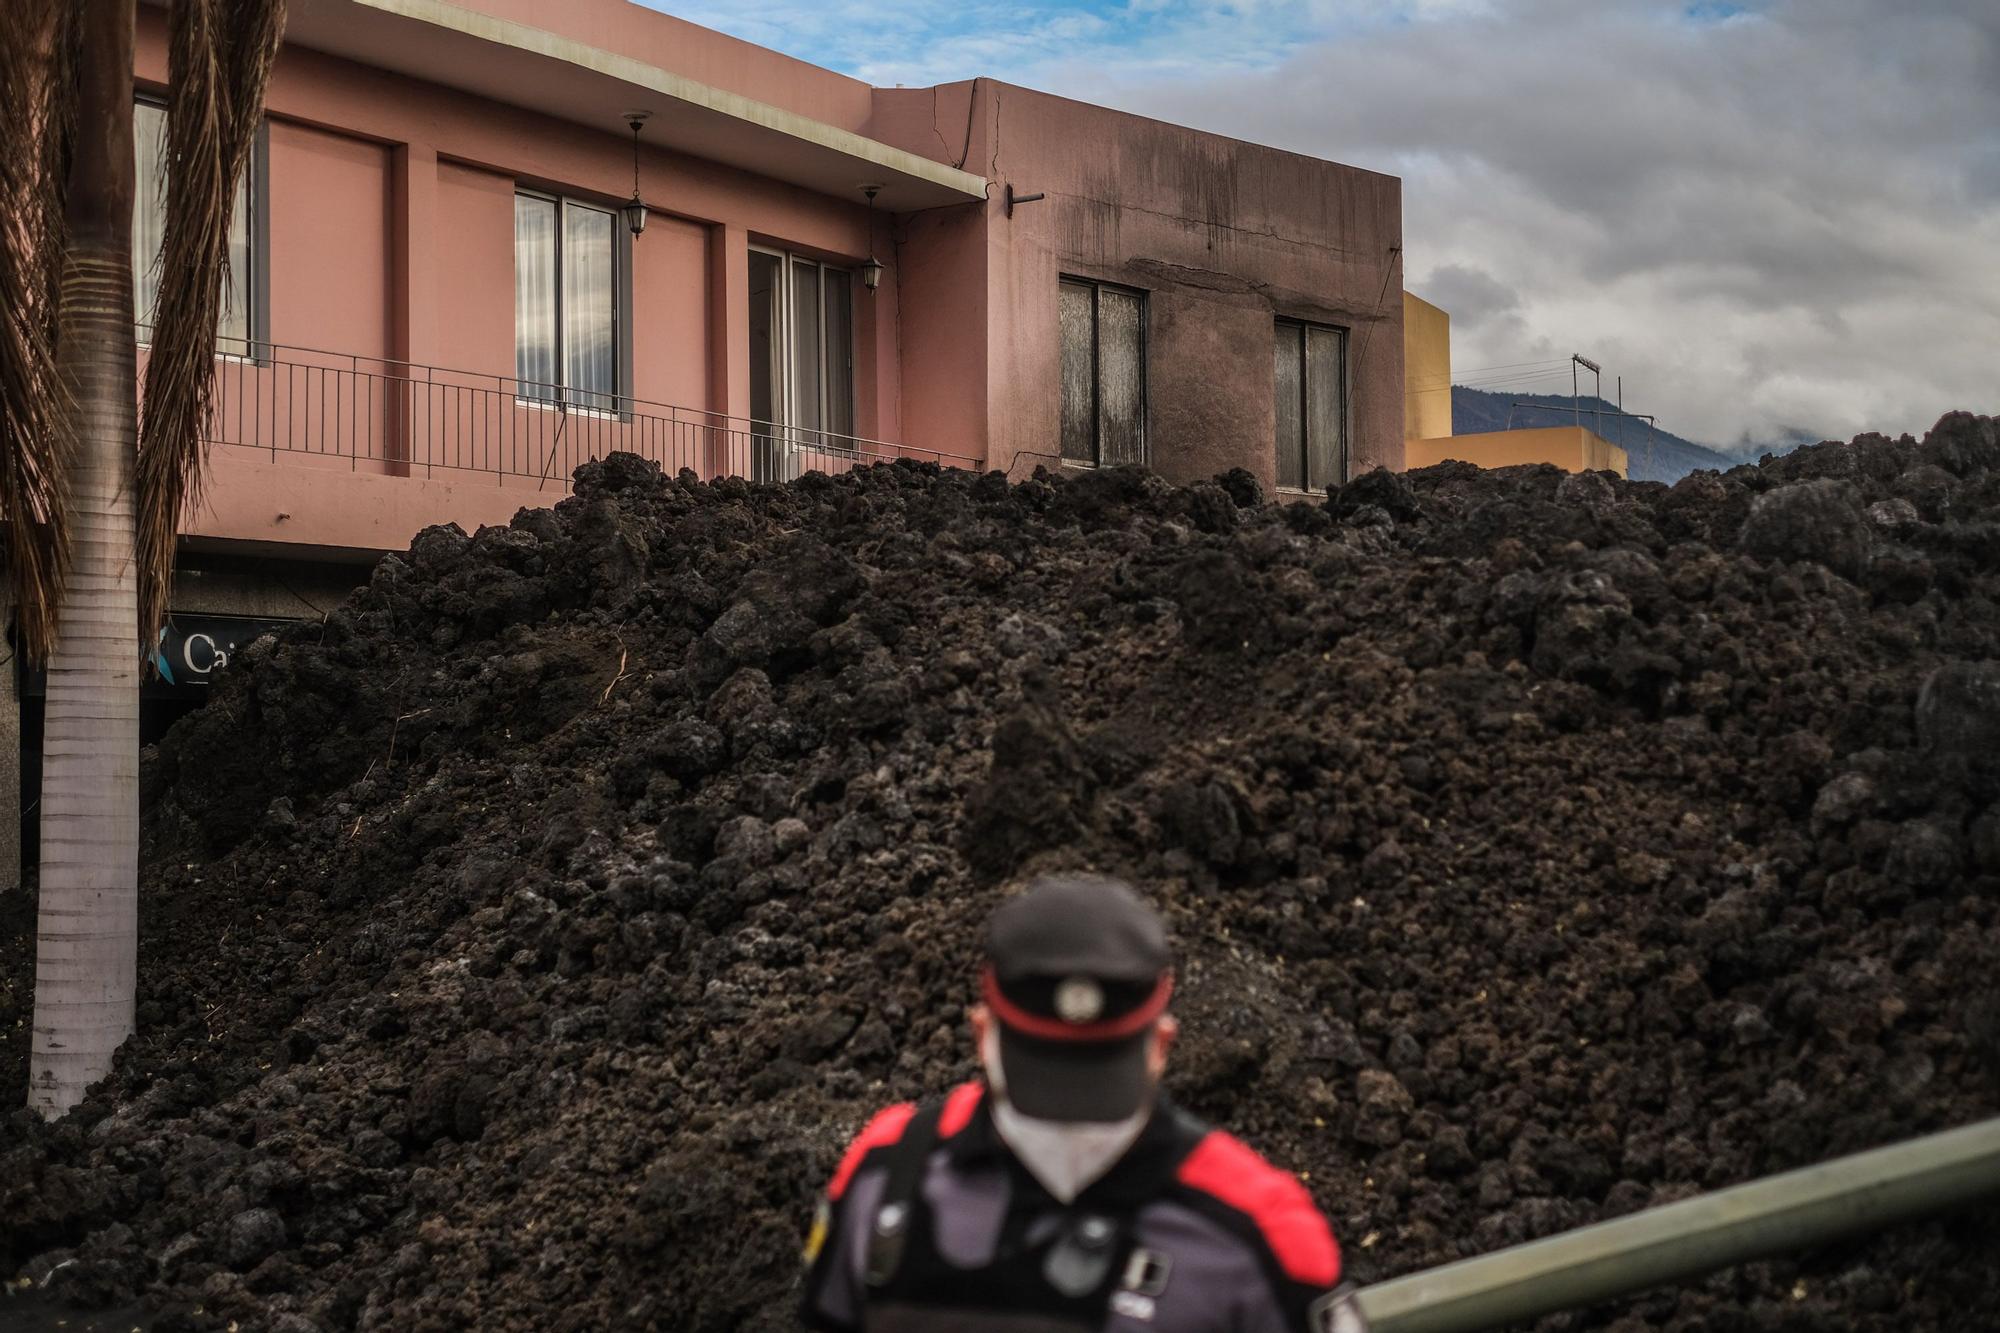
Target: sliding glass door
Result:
[801, 361]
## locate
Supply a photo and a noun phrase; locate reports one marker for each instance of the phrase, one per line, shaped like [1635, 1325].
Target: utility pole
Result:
[1575, 398]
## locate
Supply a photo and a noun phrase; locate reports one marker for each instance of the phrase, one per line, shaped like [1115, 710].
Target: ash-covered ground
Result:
[521, 944]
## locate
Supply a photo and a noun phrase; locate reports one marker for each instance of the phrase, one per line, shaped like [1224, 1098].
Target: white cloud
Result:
[1786, 219]
[1769, 216]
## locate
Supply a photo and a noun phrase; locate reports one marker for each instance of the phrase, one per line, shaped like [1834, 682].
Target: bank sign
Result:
[190, 651]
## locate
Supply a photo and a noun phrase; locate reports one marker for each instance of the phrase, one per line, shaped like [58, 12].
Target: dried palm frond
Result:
[37, 101]
[219, 58]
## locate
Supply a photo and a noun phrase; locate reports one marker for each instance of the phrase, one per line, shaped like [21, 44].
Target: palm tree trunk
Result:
[87, 941]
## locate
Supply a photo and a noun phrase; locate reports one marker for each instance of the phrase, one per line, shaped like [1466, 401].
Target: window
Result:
[1103, 372]
[567, 275]
[237, 326]
[801, 359]
[1312, 405]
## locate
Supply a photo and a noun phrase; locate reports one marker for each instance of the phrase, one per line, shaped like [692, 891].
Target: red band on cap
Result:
[1054, 1029]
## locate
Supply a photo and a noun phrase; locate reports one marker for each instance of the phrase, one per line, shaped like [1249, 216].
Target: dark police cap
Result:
[1078, 971]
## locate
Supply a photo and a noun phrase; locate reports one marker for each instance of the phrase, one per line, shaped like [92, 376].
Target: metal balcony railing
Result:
[398, 418]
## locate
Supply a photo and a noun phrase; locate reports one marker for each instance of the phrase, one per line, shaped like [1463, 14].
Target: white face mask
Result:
[1064, 1155]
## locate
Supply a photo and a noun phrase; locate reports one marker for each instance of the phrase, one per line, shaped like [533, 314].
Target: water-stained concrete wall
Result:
[1224, 237]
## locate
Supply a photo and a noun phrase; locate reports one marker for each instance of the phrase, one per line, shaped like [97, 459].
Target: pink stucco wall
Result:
[878, 328]
[473, 254]
[516, 146]
[699, 53]
[1222, 236]
[942, 288]
[391, 244]
[670, 350]
[344, 513]
[329, 203]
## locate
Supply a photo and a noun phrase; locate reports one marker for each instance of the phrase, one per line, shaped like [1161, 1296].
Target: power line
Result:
[1507, 365]
[1494, 389]
[1469, 371]
[1368, 335]
[1470, 378]
[1486, 382]
[1500, 381]
[1464, 376]
[1485, 387]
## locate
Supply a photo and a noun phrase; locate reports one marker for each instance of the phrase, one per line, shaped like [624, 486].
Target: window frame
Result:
[782, 338]
[1097, 287]
[256, 204]
[620, 393]
[1345, 459]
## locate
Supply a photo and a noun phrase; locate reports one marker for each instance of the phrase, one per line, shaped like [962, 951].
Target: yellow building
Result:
[1427, 436]
[1571, 448]
[1426, 370]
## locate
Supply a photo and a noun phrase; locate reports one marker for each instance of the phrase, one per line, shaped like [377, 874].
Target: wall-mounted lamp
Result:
[634, 211]
[871, 272]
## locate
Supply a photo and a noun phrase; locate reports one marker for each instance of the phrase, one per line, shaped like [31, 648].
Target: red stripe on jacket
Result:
[958, 1108]
[886, 1128]
[1298, 1237]
[888, 1124]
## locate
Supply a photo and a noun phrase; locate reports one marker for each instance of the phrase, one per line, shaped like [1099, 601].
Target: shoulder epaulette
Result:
[1224, 1169]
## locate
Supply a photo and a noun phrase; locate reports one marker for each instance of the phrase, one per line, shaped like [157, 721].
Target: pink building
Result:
[440, 301]
[439, 310]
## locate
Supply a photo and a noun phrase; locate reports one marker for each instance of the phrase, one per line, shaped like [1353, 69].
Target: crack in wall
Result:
[971, 110]
[943, 147]
[993, 161]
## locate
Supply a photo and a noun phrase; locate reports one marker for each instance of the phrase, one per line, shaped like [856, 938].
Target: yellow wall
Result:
[1572, 448]
[1600, 455]
[1426, 370]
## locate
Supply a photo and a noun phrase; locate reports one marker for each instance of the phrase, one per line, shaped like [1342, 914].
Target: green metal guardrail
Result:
[1845, 1197]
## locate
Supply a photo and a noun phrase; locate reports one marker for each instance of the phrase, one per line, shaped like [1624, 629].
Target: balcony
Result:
[352, 455]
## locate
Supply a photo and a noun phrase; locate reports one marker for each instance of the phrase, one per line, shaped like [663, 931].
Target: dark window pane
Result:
[1326, 407]
[1289, 371]
[1079, 398]
[839, 352]
[766, 376]
[535, 296]
[764, 379]
[1121, 377]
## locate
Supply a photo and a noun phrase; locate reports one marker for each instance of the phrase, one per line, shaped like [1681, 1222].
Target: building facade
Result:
[434, 283]
[1571, 448]
[1426, 371]
[438, 307]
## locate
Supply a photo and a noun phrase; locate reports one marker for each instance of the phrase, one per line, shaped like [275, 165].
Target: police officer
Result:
[1064, 1192]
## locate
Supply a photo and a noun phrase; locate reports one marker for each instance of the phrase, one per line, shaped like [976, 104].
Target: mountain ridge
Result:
[1652, 454]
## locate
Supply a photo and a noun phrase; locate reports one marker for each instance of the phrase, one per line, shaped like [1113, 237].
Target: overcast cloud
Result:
[1769, 218]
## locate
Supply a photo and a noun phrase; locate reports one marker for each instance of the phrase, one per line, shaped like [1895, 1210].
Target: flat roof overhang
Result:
[528, 67]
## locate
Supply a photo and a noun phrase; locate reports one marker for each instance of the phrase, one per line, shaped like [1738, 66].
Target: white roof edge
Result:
[539, 41]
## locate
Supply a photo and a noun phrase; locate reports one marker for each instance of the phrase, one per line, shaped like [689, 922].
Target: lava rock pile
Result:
[521, 944]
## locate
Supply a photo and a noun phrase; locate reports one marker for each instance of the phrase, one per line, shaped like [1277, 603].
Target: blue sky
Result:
[922, 42]
[1770, 216]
